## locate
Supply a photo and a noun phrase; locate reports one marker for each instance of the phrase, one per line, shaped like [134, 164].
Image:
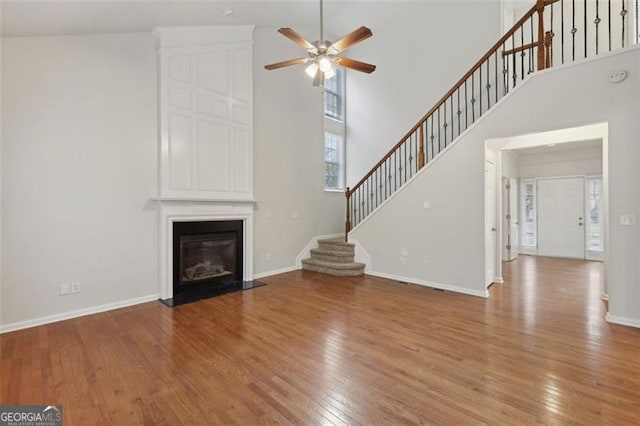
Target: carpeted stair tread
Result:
[352, 269]
[331, 255]
[336, 245]
[334, 265]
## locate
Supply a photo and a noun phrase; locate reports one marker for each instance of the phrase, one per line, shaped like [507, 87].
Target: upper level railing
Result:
[552, 31]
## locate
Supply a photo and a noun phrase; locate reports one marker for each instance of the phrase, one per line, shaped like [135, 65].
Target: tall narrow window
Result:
[594, 214]
[529, 213]
[334, 132]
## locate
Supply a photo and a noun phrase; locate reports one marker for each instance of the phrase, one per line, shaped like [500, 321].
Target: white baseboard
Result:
[75, 314]
[306, 251]
[439, 286]
[275, 272]
[498, 280]
[623, 321]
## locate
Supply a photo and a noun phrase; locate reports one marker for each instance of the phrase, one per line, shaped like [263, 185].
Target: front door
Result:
[561, 217]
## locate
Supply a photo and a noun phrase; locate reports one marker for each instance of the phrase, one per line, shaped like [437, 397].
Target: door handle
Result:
[579, 223]
[493, 229]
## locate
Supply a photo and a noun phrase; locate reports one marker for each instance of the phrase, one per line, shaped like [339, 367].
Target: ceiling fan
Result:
[323, 54]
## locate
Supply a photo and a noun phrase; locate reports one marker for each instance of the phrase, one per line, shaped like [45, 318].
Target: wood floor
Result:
[313, 349]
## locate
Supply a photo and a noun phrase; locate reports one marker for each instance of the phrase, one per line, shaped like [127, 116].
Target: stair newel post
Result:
[421, 155]
[541, 36]
[347, 225]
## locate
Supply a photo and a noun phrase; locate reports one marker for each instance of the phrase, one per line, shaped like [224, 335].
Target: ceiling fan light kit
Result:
[323, 55]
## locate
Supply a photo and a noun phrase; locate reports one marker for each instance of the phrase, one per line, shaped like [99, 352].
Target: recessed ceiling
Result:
[60, 17]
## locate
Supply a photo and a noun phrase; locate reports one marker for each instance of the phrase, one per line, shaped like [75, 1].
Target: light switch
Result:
[294, 214]
[426, 204]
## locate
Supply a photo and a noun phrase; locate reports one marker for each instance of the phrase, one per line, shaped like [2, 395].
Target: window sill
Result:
[341, 191]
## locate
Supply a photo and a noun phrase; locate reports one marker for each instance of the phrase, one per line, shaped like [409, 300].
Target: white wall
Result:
[418, 55]
[80, 163]
[455, 224]
[288, 157]
[574, 162]
[78, 168]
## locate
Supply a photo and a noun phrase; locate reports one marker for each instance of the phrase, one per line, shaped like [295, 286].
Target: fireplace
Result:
[206, 255]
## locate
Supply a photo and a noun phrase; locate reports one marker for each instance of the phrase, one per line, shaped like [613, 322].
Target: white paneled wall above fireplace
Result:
[205, 113]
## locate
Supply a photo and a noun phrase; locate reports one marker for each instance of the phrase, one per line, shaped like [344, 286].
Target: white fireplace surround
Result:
[171, 211]
[205, 150]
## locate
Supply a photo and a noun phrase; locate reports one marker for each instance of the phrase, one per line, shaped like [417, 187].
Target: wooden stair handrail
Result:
[455, 87]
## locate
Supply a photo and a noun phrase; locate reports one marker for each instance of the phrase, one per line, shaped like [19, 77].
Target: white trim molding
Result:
[75, 314]
[630, 322]
[432, 284]
[276, 272]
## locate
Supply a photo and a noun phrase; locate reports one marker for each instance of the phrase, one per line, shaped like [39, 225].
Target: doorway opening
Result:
[553, 198]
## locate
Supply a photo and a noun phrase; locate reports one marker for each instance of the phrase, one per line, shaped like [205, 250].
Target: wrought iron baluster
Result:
[459, 112]
[522, 52]
[505, 73]
[562, 29]
[404, 160]
[445, 125]
[480, 88]
[609, 11]
[433, 152]
[488, 86]
[451, 110]
[585, 28]
[514, 66]
[466, 107]
[395, 172]
[473, 99]
[439, 132]
[411, 157]
[377, 187]
[574, 30]
[623, 14]
[597, 22]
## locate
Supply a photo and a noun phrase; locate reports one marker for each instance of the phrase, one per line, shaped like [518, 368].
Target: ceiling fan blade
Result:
[286, 63]
[356, 65]
[349, 40]
[296, 38]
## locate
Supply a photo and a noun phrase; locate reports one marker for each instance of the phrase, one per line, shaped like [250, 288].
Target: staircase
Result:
[541, 38]
[334, 257]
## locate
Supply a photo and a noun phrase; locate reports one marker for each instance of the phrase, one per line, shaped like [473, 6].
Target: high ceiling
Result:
[58, 17]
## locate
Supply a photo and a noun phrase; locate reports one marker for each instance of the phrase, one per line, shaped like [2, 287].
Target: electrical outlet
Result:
[64, 289]
[268, 257]
[426, 204]
[295, 214]
[425, 262]
[403, 260]
[75, 287]
[404, 252]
